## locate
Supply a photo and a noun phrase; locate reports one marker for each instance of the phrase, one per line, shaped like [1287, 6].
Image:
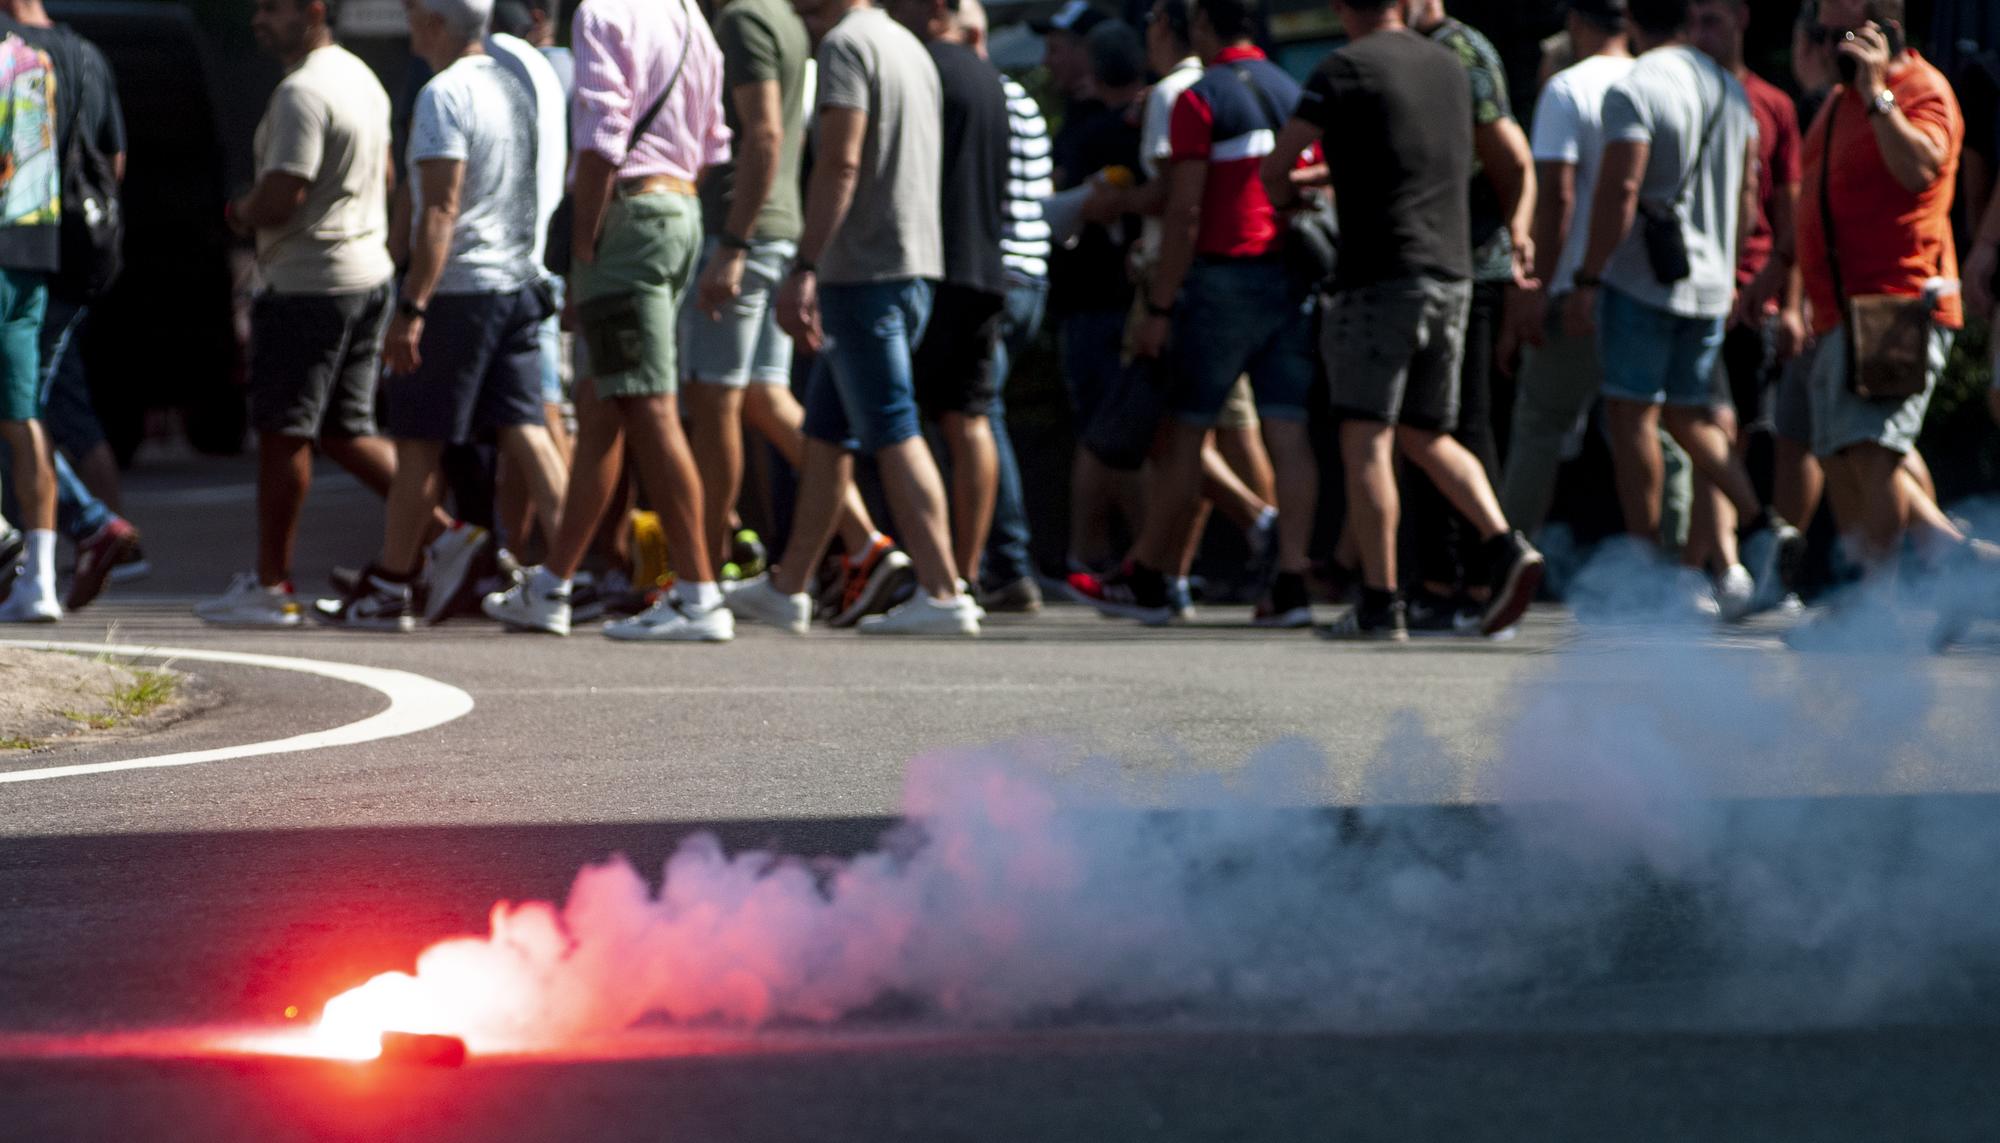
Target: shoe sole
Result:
[1290, 620]
[513, 624]
[402, 624]
[1362, 635]
[93, 572]
[439, 603]
[962, 632]
[619, 635]
[285, 624]
[128, 573]
[1523, 581]
[1150, 616]
[879, 593]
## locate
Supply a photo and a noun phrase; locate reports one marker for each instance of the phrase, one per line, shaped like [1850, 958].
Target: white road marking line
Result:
[416, 704]
[802, 689]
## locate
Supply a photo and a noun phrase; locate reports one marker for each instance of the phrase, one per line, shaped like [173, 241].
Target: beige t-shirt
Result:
[328, 123]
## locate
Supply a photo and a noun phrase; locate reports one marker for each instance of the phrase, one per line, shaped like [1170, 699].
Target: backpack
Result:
[92, 237]
[30, 178]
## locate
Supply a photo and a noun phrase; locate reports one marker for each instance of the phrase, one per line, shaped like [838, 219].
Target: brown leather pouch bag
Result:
[1888, 342]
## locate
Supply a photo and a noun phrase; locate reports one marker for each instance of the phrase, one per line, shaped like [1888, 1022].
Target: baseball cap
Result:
[1076, 17]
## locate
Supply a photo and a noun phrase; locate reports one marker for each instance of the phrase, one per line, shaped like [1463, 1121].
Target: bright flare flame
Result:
[351, 1027]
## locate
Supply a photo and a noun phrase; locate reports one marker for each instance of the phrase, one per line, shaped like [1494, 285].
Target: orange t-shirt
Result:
[1891, 241]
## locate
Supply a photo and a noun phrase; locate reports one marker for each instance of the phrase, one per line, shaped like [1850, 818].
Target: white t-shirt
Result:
[1569, 128]
[537, 69]
[328, 123]
[480, 113]
[1155, 140]
[1666, 101]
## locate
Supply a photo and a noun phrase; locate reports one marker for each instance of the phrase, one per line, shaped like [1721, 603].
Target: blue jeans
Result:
[863, 393]
[1007, 556]
[1655, 357]
[1237, 316]
[78, 513]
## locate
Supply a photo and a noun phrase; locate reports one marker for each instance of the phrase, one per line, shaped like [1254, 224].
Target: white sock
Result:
[42, 561]
[874, 541]
[547, 580]
[1266, 518]
[704, 596]
[1179, 583]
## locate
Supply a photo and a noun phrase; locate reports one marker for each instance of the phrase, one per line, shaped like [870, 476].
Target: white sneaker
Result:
[965, 593]
[447, 564]
[671, 621]
[1735, 594]
[538, 603]
[1697, 594]
[29, 606]
[248, 603]
[926, 616]
[756, 601]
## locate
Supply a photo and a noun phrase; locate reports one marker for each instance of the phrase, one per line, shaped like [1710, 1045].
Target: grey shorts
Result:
[1841, 419]
[315, 360]
[1394, 350]
[1791, 410]
[744, 346]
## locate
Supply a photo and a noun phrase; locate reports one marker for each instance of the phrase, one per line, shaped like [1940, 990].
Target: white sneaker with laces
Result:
[756, 601]
[1735, 594]
[971, 598]
[672, 621]
[447, 563]
[538, 603]
[26, 605]
[926, 616]
[248, 603]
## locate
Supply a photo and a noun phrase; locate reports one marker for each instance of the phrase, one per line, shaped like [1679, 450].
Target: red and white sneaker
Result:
[96, 556]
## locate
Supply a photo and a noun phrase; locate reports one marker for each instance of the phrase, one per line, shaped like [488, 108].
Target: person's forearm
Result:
[590, 195]
[271, 203]
[1912, 159]
[1178, 229]
[1612, 208]
[756, 178]
[828, 196]
[1147, 199]
[428, 251]
[1554, 214]
[1510, 170]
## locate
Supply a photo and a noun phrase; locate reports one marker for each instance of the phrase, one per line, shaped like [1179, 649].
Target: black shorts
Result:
[480, 368]
[954, 363]
[314, 362]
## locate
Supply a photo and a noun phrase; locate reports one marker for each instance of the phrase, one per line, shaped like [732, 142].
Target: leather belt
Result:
[655, 184]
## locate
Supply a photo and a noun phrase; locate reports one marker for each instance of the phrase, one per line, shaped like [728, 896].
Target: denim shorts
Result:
[744, 346]
[1655, 357]
[555, 350]
[863, 393]
[480, 367]
[1395, 351]
[1841, 419]
[1238, 316]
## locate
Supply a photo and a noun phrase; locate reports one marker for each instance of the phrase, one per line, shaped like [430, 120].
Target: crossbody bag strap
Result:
[1707, 136]
[1826, 204]
[645, 122]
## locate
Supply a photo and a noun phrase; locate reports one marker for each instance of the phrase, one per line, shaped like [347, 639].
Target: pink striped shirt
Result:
[626, 51]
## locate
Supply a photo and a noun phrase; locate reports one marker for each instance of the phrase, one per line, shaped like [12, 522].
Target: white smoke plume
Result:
[1602, 880]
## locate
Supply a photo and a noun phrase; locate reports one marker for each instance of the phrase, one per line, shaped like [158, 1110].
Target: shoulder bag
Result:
[558, 252]
[1888, 335]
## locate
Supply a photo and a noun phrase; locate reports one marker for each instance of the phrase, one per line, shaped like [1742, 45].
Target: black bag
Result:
[1310, 246]
[558, 251]
[92, 227]
[1660, 226]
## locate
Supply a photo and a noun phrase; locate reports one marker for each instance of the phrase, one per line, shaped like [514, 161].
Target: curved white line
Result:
[415, 704]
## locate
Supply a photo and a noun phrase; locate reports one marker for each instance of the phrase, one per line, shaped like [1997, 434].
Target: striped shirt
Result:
[1024, 242]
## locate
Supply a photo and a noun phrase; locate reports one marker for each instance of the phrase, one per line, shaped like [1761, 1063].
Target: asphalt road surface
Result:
[159, 899]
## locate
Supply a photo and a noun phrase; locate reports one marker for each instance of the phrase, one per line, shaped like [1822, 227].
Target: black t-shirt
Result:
[1398, 141]
[973, 190]
[1091, 275]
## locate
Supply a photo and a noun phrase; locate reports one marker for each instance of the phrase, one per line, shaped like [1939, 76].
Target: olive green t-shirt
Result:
[762, 41]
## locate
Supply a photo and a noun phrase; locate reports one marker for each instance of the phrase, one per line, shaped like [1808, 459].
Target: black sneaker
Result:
[1363, 624]
[374, 605]
[1132, 592]
[1517, 575]
[1433, 614]
[1287, 604]
[13, 542]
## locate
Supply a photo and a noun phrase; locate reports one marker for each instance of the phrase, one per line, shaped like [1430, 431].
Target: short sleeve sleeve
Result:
[1490, 103]
[843, 74]
[1932, 109]
[296, 134]
[749, 48]
[110, 127]
[1558, 129]
[1317, 99]
[1625, 117]
[1155, 134]
[1192, 130]
[437, 129]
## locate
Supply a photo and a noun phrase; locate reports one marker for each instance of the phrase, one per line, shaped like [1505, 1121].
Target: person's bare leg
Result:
[1885, 499]
[1090, 502]
[826, 477]
[1712, 518]
[1713, 453]
[1244, 450]
[372, 461]
[284, 476]
[1919, 471]
[1799, 485]
[1223, 487]
[671, 481]
[1640, 468]
[1374, 508]
[916, 497]
[1458, 475]
[595, 476]
[1298, 489]
[513, 508]
[975, 484]
[531, 452]
[416, 491]
[778, 416]
[1176, 491]
[1190, 537]
[552, 416]
[715, 431]
[98, 469]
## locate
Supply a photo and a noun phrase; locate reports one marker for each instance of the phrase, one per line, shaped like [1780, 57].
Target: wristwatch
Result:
[1884, 102]
[804, 266]
[409, 309]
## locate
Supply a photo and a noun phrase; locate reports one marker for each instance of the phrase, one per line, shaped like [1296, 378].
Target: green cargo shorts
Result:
[628, 301]
[24, 296]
